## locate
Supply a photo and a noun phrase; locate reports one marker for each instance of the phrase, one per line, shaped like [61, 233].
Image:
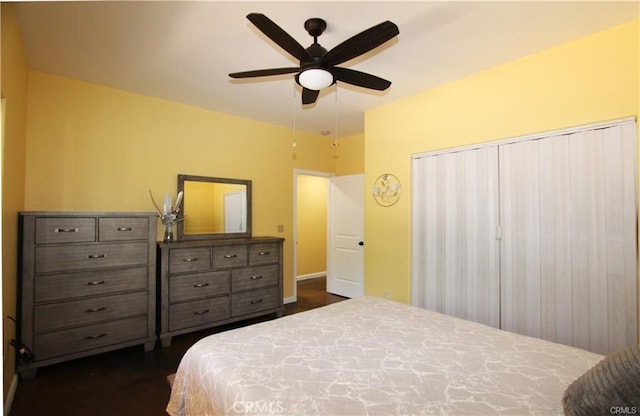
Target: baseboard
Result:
[310, 276]
[12, 392]
[291, 299]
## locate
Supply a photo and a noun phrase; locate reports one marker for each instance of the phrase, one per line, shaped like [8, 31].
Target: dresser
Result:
[86, 284]
[208, 283]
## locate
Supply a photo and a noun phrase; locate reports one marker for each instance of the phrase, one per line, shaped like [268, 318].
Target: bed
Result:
[371, 356]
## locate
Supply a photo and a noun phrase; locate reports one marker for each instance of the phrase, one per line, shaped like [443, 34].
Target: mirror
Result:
[214, 208]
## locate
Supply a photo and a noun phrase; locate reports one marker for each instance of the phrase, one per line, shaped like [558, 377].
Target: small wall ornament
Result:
[387, 190]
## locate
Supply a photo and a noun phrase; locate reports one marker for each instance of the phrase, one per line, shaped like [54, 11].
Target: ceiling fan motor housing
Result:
[316, 52]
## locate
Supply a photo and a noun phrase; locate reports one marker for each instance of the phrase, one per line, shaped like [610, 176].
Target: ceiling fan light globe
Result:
[315, 79]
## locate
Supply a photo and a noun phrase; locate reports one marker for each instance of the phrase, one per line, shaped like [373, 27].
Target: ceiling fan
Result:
[318, 68]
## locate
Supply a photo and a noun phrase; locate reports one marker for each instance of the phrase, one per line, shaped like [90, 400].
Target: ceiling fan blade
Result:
[361, 79]
[279, 36]
[264, 72]
[361, 43]
[309, 96]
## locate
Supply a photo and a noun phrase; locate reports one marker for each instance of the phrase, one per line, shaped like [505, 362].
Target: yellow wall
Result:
[96, 148]
[349, 156]
[14, 94]
[311, 223]
[589, 80]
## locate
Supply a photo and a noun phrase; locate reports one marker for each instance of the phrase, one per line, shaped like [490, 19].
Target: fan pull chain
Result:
[294, 144]
[335, 126]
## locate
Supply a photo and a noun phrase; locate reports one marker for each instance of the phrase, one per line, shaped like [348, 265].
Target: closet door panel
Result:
[621, 235]
[587, 202]
[520, 220]
[423, 247]
[455, 266]
[555, 243]
[569, 251]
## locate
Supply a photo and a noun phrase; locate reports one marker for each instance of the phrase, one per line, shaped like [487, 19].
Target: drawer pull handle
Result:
[190, 259]
[230, 256]
[66, 230]
[256, 277]
[96, 283]
[125, 228]
[256, 301]
[264, 253]
[90, 337]
[100, 309]
[201, 312]
[205, 284]
[97, 256]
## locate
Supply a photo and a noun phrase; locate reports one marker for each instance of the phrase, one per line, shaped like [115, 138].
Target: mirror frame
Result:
[182, 236]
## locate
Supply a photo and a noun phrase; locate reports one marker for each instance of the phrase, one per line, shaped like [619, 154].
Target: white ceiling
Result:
[183, 51]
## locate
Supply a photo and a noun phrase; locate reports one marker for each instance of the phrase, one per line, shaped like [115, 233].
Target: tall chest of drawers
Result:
[86, 284]
[203, 284]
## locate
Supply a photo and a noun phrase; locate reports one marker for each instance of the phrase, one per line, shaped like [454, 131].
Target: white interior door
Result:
[345, 254]
[235, 212]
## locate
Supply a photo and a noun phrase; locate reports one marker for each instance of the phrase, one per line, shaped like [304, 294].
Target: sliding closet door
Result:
[455, 251]
[569, 253]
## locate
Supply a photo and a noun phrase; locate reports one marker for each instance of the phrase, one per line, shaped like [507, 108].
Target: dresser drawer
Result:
[254, 277]
[229, 256]
[185, 315]
[65, 230]
[53, 316]
[89, 283]
[263, 253]
[89, 337]
[122, 229]
[254, 301]
[90, 256]
[197, 286]
[189, 260]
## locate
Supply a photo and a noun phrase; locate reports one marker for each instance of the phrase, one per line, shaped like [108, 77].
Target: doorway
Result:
[311, 191]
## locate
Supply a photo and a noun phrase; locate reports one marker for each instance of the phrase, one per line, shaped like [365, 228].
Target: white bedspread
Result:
[370, 356]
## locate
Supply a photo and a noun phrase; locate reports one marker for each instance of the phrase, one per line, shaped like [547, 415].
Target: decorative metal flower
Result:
[387, 190]
[169, 214]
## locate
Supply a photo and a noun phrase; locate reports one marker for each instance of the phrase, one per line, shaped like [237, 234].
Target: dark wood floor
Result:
[128, 381]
